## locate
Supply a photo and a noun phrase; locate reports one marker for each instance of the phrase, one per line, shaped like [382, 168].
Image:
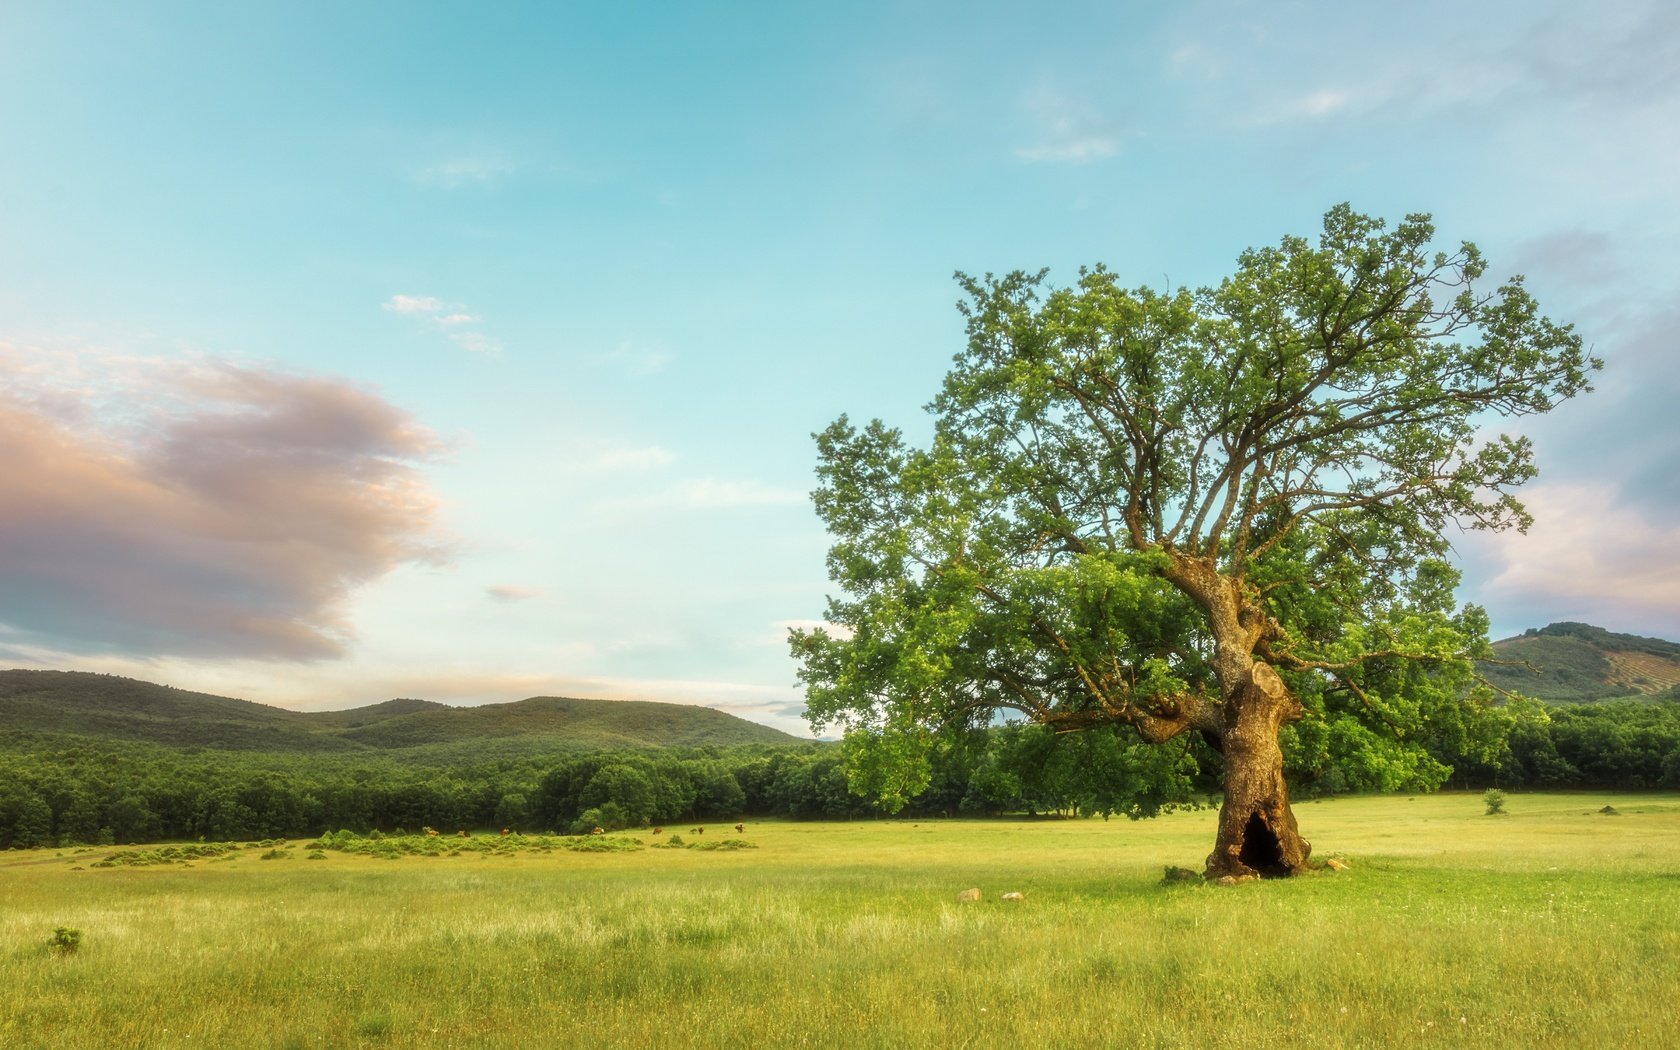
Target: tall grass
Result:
[1550, 925]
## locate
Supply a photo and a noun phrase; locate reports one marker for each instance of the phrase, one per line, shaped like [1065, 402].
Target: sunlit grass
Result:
[1553, 925]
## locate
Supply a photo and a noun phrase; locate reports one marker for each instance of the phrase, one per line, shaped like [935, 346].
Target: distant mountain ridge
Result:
[1577, 663]
[82, 704]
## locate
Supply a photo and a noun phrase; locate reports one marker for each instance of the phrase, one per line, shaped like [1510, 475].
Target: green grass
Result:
[1552, 925]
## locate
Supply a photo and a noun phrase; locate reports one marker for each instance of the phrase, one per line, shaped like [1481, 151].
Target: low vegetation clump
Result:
[376, 844]
[712, 845]
[140, 858]
[1494, 799]
[66, 940]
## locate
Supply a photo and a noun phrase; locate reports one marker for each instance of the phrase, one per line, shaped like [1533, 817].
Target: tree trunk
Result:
[1257, 832]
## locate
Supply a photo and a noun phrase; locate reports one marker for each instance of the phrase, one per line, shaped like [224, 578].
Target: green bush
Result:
[66, 939]
[1495, 800]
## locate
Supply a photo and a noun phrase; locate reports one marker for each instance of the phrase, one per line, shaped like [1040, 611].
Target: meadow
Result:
[1554, 924]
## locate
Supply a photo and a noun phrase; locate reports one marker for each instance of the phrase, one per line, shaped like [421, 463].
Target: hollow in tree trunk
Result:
[1257, 831]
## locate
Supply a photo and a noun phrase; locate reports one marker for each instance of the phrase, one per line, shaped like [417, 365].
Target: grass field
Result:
[1552, 925]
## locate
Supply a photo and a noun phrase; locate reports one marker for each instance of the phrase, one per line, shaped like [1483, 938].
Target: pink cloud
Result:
[1585, 558]
[224, 511]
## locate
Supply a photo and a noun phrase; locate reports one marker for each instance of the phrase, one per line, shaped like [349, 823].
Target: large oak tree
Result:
[1221, 513]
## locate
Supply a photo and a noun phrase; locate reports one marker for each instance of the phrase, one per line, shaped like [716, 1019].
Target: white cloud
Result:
[454, 322]
[647, 457]
[1070, 149]
[705, 494]
[466, 170]
[640, 360]
[513, 592]
[413, 304]
[780, 629]
[1322, 103]
[1195, 60]
[1068, 130]
[710, 492]
[477, 343]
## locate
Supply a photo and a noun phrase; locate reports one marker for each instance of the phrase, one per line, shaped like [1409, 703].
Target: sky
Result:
[473, 352]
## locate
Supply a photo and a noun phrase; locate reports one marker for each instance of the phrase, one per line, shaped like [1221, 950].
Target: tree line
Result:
[95, 793]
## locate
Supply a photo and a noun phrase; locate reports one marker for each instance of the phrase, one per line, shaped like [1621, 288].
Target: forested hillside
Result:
[1577, 662]
[94, 759]
[108, 707]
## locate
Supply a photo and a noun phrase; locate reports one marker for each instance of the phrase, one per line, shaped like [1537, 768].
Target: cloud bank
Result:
[162, 508]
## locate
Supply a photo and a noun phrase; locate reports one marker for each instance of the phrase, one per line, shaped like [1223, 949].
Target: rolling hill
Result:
[1577, 662]
[79, 704]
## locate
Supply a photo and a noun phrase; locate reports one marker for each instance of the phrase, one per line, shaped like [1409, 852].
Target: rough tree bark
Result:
[1257, 830]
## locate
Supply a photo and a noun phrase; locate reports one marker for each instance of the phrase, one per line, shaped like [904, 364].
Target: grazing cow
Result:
[659, 831]
[598, 831]
[740, 828]
[505, 831]
[431, 834]
[462, 834]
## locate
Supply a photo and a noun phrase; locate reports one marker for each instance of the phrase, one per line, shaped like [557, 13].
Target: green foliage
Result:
[512, 810]
[1132, 495]
[66, 940]
[1494, 799]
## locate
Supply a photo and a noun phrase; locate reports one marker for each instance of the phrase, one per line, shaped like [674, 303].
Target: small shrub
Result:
[374, 1026]
[1495, 800]
[316, 855]
[275, 854]
[65, 940]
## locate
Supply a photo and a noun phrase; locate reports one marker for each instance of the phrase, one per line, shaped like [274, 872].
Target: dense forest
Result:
[63, 789]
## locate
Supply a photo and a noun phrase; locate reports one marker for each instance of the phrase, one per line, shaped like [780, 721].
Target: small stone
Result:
[1014, 896]
[1336, 865]
[969, 895]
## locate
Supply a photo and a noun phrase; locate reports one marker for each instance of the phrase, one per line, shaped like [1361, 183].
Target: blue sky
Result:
[356, 351]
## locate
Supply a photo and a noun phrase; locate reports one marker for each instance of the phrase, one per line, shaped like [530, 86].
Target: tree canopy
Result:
[1225, 511]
